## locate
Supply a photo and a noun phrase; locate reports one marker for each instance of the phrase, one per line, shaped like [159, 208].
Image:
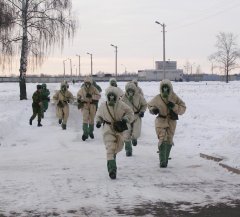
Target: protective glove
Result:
[155, 111]
[89, 95]
[170, 105]
[141, 114]
[98, 125]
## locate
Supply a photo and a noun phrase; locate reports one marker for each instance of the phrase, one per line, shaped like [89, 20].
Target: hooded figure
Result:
[139, 89]
[113, 83]
[62, 98]
[37, 106]
[167, 106]
[45, 97]
[114, 115]
[88, 97]
[139, 105]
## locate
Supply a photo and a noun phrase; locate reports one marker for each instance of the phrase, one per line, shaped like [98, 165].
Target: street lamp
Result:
[91, 63]
[192, 67]
[79, 71]
[64, 67]
[70, 66]
[115, 58]
[125, 68]
[163, 25]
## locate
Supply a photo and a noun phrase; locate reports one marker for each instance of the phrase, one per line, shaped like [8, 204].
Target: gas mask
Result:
[165, 91]
[112, 99]
[64, 88]
[130, 93]
[113, 83]
[87, 84]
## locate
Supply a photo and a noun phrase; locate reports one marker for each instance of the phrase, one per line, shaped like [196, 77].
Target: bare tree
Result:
[38, 25]
[227, 53]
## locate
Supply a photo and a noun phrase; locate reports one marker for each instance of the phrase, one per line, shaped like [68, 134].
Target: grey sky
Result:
[191, 26]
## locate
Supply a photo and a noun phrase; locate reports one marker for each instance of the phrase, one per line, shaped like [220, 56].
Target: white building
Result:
[157, 74]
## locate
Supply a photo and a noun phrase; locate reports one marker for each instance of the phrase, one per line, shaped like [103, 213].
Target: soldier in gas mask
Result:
[62, 98]
[139, 105]
[88, 97]
[139, 89]
[114, 116]
[113, 83]
[167, 106]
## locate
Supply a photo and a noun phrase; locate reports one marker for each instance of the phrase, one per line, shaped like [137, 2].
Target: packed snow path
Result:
[50, 170]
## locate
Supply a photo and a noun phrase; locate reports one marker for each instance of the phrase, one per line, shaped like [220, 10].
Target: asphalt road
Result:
[172, 210]
[159, 209]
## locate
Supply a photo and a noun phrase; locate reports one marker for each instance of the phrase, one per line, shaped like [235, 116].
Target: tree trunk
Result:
[24, 53]
[227, 73]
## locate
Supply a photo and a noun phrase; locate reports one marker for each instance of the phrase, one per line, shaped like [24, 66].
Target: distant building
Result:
[157, 74]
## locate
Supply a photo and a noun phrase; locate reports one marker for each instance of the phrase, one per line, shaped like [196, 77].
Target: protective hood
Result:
[88, 80]
[112, 80]
[130, 85]
[169, 84]
[114, 90]
[135, 81]
[63, 84]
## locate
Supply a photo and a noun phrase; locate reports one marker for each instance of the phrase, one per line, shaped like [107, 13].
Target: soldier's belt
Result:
[162, 116]
[106, 122]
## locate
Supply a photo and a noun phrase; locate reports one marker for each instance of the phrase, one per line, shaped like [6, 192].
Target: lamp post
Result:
[125, 68]
[70, 67]
[163, 25]
[116, 50]
[64, 67]
[79, 62]
[192, 67]
[91, 63]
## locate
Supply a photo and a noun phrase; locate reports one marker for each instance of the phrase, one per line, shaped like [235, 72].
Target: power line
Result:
[204, 18]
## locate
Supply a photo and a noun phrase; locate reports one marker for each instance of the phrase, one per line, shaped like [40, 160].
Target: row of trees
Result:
[32, 28]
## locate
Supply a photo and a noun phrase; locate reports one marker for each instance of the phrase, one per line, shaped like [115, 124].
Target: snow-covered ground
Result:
[50, 170]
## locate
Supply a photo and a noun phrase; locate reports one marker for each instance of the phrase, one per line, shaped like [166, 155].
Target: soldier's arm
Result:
[180, 106]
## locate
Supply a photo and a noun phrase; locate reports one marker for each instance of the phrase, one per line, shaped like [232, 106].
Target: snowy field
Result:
[48, 170]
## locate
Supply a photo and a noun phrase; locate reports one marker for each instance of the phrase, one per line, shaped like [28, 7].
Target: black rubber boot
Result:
[39, 123]
[64, 126]
[134, 142]
[30, 121]
[112, 168]
[84, 137]
[60, 121]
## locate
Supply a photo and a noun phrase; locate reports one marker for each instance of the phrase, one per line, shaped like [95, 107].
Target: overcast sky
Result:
[191, 26]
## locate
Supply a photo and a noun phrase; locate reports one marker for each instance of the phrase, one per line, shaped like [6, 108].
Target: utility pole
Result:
[164, 58]
[116, 50]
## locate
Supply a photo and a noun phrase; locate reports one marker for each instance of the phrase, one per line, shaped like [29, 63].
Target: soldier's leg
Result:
[65, 116]
[111, 161]
[136, 130]
[127, 141]
[128, 148]
[162, 146]
[111, 155]
[85, 113]
[59, 113]
[91, 120]
[170, 133]
[39, 114]
[32, 117]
